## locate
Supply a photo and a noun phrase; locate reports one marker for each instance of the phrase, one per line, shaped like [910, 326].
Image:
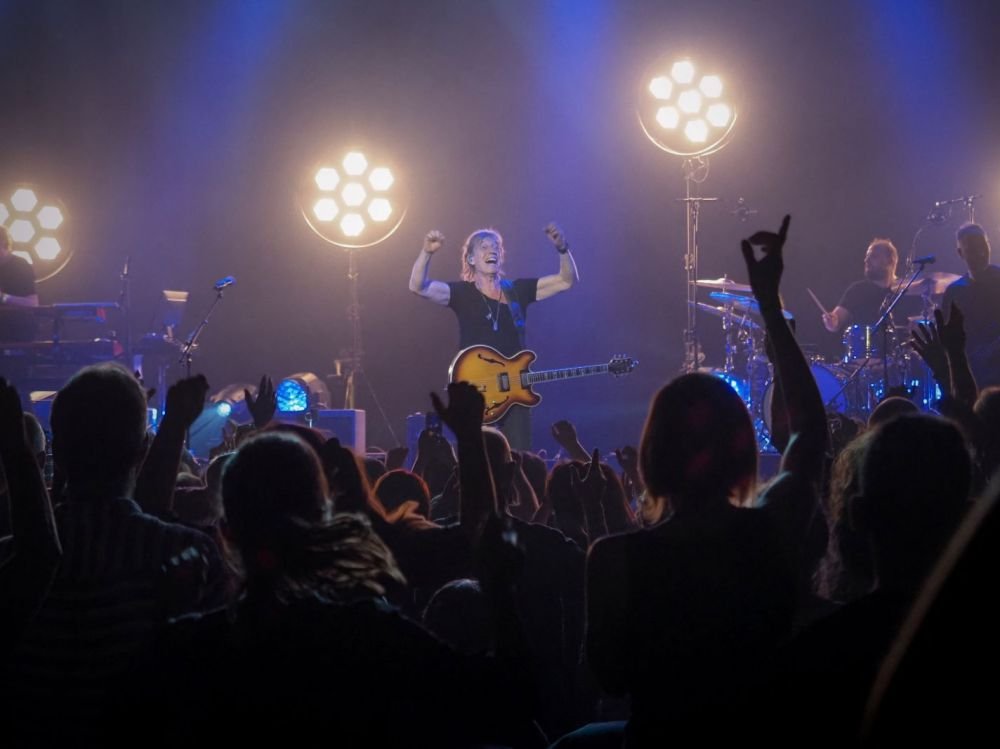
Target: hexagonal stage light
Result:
[685, 110]
[36, 222]
[353, 199]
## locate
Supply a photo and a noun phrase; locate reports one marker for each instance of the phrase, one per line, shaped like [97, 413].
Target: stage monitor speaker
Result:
[347, 425]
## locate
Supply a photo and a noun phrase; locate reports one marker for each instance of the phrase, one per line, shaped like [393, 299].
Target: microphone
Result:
[224, 282]
[925, 260]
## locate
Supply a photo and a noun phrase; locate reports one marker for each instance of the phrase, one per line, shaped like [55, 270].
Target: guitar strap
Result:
[515, 308]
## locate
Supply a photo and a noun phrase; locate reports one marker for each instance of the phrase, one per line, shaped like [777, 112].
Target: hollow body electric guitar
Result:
[506, 382]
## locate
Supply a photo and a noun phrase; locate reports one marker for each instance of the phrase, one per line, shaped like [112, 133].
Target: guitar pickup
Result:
[503, 382]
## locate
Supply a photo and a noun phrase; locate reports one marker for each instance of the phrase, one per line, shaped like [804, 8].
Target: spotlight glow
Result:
[711, 86]
[718, 114]
[24, 200]
[292, 396]
[379, 209]
[381, 178]
[355, 163]
[224, 409]
[682, 71]
[327, 179]
[4, 214]
[326, 209]
[50, 217]
[24, 256]
[696, 131]
[661, 87]
[22, 230]
[689, 101]
[47, 248]
[352, 224]
[668, 117]
[353, 194]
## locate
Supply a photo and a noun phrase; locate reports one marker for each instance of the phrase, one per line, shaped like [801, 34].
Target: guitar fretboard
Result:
[530, 378]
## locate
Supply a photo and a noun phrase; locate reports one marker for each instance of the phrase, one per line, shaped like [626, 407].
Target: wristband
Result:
[563, 249]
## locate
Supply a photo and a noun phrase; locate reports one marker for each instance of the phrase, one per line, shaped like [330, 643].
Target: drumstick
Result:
[818, 302]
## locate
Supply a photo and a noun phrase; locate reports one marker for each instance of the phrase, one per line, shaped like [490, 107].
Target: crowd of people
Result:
[473, 596]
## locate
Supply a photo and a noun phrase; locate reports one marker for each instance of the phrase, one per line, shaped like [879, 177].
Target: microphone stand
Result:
[192, 341]
[886, 316]
[125, 305]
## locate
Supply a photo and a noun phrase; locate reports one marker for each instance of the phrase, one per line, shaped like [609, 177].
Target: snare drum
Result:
[865, 342]
[829, 378]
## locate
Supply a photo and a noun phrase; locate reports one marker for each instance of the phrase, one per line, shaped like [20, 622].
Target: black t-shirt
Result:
[979, 300]
[863, 299]
[17, 277]
[477, 313]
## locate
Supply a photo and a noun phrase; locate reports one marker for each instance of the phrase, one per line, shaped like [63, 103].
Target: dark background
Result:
[176, 133]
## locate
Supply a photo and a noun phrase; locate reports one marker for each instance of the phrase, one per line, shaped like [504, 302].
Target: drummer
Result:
[864, 301]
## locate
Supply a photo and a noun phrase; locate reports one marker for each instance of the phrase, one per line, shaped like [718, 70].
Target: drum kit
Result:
[876, 361]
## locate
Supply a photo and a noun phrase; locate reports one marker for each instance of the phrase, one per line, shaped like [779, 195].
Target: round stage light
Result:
[37, 226]
[700, 117]
[354, 200]
[300, 392]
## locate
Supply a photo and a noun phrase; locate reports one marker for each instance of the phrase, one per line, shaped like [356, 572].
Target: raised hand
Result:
[556, 236]
[564, 433]
[262, 407]
[952, 333]
[433, 241]
[765, 274]
[926, 341]
[186, 399]
[590, 488]
[464, 412]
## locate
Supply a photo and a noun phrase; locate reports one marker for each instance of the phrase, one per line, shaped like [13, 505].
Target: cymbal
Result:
[744, 304]
[932, 283]
[723, 312]
[724, 284]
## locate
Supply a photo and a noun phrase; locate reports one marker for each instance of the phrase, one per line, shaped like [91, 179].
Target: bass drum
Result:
[830, 380]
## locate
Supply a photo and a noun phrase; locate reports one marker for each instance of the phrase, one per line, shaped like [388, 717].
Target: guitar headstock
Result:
[621, 365]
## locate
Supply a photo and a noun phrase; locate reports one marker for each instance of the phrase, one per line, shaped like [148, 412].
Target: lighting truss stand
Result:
[354, 361]
[695, 172]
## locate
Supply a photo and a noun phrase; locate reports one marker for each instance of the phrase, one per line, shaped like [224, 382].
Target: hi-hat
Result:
[932, 283]
[725, 313]
[744, 304]
[723, 284]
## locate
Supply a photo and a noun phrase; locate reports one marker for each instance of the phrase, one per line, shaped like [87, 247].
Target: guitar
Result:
[508, 382]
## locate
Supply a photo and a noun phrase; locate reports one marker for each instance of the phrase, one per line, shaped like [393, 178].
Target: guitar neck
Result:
[569, 373]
